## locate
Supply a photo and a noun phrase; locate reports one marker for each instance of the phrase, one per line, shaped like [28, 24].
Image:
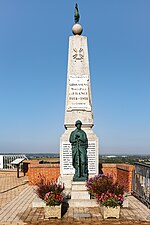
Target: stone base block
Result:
[67, 193]
[83, 203]
[80, 195]
[38, 203]
[66, 180]
[125, 202]
[79, 190]
[78, 185]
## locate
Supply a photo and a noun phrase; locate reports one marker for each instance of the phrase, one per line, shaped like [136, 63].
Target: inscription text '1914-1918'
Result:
[78, 93]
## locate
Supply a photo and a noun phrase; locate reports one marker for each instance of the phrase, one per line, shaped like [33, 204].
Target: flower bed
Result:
[51, 193]
[108, 193]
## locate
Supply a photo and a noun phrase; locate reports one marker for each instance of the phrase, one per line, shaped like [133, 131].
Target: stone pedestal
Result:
[80, 196]
[66, 169]
[78, 107]
[79, 191]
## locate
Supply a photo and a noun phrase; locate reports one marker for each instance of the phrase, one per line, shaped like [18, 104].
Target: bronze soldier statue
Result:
[79, 142]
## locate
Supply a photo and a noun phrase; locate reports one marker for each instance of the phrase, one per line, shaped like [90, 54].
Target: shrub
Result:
[111, 200]
[105, 190]
[45, 186]
[102, 183]
[53, 199]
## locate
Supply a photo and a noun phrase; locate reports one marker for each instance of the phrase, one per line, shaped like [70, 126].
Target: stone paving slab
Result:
[87, 222]
[19, 211]
[11, 186]
[13, 223]
[17, 206]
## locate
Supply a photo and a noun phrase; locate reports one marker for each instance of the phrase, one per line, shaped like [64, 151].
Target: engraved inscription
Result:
[67, 158]
[91, 153]
[78, 96]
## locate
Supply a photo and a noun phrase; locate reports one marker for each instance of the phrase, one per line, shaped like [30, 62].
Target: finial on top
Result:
[77, 28]
[76, 14]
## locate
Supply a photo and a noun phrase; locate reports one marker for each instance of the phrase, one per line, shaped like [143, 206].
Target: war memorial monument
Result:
[79, 148]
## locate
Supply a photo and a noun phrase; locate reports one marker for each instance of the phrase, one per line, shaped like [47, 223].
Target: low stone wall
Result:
[109, 168]
[121, 173]
[50, 171]
[124, 175]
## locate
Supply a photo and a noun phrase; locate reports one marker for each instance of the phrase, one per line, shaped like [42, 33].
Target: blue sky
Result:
[33, 69]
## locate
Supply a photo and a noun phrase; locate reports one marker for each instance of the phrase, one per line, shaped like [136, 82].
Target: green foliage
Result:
[53, 199]
[111, 200]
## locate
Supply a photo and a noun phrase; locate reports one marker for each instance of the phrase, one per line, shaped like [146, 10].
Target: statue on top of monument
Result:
[77, 28]
[76, 14]
[79, 142]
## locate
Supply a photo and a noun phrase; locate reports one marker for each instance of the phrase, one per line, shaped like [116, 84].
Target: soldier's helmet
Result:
[78, 122]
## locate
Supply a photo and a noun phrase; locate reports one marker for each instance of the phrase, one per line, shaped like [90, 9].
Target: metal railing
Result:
[7, 159]
[141, 183]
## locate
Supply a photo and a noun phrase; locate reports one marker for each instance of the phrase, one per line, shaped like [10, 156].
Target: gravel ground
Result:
[83, 222]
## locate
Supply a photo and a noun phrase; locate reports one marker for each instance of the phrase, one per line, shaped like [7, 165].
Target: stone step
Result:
[83, 203]
[80, 195]
[79, 185]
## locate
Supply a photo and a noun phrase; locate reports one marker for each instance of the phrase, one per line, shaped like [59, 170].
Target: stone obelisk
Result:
[78, 106]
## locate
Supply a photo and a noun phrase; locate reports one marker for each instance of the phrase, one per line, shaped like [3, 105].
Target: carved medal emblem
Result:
[78, 54]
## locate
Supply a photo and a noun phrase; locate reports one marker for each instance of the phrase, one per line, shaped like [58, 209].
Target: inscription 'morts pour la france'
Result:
[78, 97]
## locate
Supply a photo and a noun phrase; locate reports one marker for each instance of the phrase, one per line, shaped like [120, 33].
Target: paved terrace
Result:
[16, 197]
